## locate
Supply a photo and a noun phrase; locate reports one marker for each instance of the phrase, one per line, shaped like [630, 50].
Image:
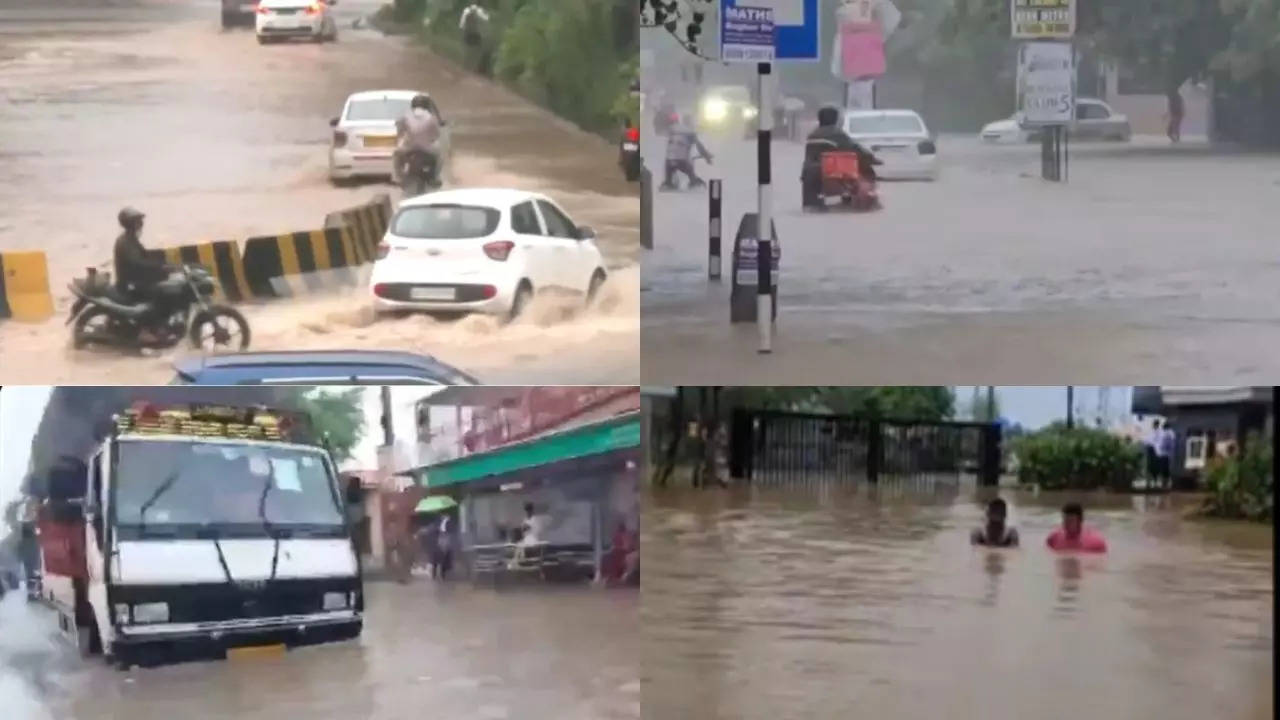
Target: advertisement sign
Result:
[1046, 83]
[862, 26]
[1043, 19]
[543, 409]
[746, 34]
[795, 27]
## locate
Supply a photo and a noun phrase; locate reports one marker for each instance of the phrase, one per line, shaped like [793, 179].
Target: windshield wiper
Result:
[268, 527]
[162, 489]
[215, 534]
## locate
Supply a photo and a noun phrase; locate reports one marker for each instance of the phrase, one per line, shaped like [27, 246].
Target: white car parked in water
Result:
[478, 250]
[899, 138]
[364, 135]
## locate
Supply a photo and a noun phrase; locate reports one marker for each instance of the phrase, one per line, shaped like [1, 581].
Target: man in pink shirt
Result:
[1073, 535]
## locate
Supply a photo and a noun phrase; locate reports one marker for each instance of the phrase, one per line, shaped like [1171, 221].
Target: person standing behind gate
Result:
[1176, 112]
[1150, 440]
[1166, 438]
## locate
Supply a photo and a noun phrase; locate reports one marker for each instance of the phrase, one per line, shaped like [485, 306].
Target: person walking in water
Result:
[1073, 535]
[1176, 111]
[995, 533]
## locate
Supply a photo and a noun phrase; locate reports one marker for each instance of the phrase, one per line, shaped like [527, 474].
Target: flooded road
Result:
[149, 103]
[810, 602]
[1150, 260]
[427, 651]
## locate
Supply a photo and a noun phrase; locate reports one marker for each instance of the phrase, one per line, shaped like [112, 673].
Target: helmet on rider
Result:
[420, 102]
[130, 219]
[828, 116]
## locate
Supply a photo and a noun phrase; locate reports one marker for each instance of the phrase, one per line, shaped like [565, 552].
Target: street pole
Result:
[764, 215]
[991, 403]
[1071, 406]
[713, 229]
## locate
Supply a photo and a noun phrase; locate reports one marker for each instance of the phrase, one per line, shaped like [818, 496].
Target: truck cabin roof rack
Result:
[215, 421]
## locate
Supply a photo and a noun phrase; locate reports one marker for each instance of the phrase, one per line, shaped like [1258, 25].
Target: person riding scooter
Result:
[830, 137]
[418, 131]
[681, 143]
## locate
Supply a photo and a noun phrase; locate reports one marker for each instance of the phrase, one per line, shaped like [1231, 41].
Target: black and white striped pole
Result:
[713, 229]
[764, 215]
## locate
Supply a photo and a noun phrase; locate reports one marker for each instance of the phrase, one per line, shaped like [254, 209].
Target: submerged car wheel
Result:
[524, 295]
[593, 288]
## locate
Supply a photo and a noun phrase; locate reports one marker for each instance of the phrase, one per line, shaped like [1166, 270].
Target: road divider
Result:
[269, 266]
[222, 258]
[24, 286]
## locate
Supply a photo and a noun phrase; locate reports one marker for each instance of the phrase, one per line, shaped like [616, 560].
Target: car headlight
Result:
[156, 612]
[336, 601]
[715, 110]
[749, 112]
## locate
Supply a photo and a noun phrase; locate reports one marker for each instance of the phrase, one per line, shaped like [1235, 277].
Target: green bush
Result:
[1242, 486]
[1058, 458]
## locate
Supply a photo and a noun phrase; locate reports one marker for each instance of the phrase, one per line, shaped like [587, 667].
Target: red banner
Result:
[543, 409]
[62, 546]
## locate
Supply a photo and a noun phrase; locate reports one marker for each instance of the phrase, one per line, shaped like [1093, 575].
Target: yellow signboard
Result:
[1043, 19]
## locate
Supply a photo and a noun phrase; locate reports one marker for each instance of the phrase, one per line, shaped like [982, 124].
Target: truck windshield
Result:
[175, 487]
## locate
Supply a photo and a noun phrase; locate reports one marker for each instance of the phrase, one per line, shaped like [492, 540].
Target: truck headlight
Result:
[335, 601]
[156, 612]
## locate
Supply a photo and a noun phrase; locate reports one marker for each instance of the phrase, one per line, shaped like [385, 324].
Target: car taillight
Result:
[927, 147]
[339, 138]
[499, 250]
[488, 291]
[313, 9]
[383, 249]
[380, 290]
[633, 134]
[263, 10]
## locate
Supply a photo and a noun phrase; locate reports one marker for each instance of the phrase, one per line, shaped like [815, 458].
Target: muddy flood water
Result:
[826, 602]
[426, 651]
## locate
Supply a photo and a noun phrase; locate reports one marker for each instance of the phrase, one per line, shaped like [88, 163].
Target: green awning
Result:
[613, 434]
[435, 503]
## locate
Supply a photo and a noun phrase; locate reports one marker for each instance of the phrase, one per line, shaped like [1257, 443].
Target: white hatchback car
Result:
[364, 135]
[482, 250]
[284, 19]
[899, 138]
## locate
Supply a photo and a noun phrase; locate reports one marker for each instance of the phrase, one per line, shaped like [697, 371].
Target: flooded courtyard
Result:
[811, 602]
[427, 651]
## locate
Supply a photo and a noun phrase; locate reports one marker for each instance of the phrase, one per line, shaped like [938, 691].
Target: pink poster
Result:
[861, 52]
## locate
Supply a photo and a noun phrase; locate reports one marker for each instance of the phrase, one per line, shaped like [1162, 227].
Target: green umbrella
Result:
[435, 503]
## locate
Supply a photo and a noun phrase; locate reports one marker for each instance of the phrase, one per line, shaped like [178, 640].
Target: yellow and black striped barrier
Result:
[24, 286]
[298, 263]
[222, 258]
[366, 223]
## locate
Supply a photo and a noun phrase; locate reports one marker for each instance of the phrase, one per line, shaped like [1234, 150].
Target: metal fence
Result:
[775, 447]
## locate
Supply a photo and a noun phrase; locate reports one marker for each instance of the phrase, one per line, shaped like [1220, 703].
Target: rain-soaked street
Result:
[1151, 261]
[805, 603]
[427, 651]
[149, 103]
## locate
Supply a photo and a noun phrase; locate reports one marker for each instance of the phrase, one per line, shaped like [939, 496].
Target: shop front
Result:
[577, 487]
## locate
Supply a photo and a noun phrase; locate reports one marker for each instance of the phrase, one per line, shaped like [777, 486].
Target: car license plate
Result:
[379, 141]
[427, 293]
[630, 147]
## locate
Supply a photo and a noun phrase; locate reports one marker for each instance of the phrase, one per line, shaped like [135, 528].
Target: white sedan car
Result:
[483, 251]
[284, 19]
[364, 135]
[899, 138]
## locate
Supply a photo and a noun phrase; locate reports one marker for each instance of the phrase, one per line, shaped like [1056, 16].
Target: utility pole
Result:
[1071, 406]
[991, 403]
[388, 429]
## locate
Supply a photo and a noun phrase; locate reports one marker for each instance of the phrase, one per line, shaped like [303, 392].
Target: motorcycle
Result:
[180, 307]
[629, 154]
[841, 177]
[420, 174]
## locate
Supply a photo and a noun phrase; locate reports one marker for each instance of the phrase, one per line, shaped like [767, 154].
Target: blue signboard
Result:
[795, 24]
[746, 34]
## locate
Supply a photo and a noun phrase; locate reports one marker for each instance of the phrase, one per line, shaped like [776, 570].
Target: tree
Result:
[337, 415]
[683, 19]
[905, 402]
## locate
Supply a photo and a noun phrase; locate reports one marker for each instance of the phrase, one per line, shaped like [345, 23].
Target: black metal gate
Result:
[769, 447]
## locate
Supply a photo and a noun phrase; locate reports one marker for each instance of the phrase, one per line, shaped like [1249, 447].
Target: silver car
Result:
[1095, 120]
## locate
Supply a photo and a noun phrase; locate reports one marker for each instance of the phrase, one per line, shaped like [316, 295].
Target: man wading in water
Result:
[995, 533]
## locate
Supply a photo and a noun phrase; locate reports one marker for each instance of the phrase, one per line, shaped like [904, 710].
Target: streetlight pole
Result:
[1071, 406]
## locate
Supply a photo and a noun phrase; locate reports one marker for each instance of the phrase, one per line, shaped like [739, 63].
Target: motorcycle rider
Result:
[417, 131]
[681, 142]
[829, 137]
[137, 273]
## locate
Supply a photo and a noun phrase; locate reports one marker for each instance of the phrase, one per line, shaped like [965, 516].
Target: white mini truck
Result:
[207, 526]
